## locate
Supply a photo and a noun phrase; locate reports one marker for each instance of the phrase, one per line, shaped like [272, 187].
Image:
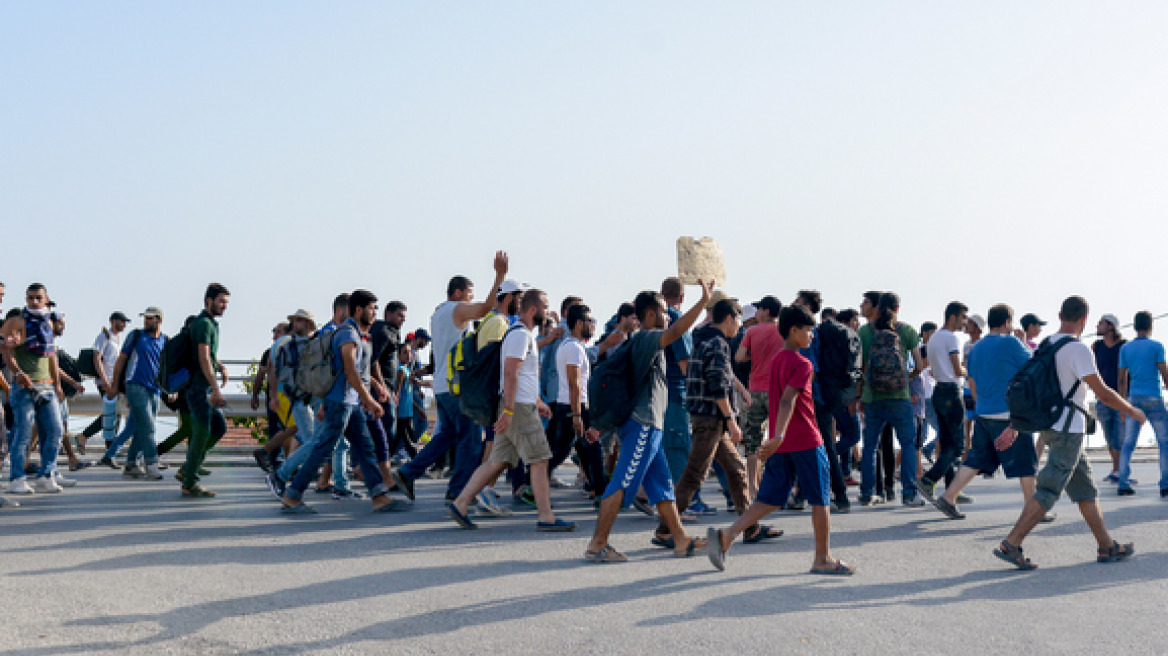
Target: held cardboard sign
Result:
[700, 259]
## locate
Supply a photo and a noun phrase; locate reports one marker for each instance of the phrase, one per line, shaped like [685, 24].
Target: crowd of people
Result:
[785, 405]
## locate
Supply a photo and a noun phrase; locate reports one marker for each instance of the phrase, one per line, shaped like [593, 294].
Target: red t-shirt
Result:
[763, 342]
[790, 369]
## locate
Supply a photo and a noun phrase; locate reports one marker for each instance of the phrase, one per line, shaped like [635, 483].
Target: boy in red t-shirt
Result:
[795, 450]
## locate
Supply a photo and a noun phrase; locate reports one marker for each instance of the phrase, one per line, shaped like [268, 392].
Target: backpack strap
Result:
[1068, 399]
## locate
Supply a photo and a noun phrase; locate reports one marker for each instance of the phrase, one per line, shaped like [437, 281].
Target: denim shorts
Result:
[809, 467]
[1018, 461]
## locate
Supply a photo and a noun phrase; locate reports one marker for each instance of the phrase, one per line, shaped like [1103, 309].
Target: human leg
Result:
[676, 442]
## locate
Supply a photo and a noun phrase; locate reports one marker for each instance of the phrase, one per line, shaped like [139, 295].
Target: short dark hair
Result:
[568, 302]
[671, 289]
[394, 306]
[37, 287]
[646, 301]
[846, 315]
[341, 301]
[955, 308]
[794, 316]
[576, 314]
[726, 307]
[873, 297]
[214, 291]
[1143, 320]
[928, 326]
[771, 305]
[827, 313]
[403, 346]
[625, 310]
[359, 299]
[457, 284]
[811, 299]
[530, 299]
[999, 315]
[1075, 308]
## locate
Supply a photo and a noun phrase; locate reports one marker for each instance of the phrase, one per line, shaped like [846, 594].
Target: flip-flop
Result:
[839, 569]
[394, 505]
[762, 534]
[690, 550]
[605, 556]
[717, 554]
[659, 541]
[302, 509]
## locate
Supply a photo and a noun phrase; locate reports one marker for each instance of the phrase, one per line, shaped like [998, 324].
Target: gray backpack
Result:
[315, 374]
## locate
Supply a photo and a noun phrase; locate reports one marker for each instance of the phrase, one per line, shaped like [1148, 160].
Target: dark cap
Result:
[1029, 319]
[770, 304]
[422, 334]
[119, 316]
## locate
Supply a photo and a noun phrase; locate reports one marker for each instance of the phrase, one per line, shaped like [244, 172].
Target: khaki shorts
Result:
[525, 438]
[1066, 470]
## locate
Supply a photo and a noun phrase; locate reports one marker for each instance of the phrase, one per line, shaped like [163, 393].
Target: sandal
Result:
[716, 553]
[302, 509]
[1116, 552]
[605, 555]
[1013, 555]
[393, 505]
[763, 533]
[197, 492]
[840, 568]
[691, 548]
[665, 542]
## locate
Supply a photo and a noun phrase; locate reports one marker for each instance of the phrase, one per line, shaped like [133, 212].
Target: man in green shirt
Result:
[885, 396]
[204, 394]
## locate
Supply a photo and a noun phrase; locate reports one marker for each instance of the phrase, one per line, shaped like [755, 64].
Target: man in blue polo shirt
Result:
[1141, 369]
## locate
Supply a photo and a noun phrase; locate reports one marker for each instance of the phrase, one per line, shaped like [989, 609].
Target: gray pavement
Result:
[129, 567]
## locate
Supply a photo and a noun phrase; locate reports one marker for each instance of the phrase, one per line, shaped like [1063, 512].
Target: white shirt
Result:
[109, 346]
[444, 335]
[520, 344]
[1074, 362]
[942, 345]
[571, 352]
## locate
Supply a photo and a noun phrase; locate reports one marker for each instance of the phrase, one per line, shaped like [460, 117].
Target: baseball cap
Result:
[770, 304]
[119, 316]
[1028, 319]
[422, 334]
[1111, 319]
[511, 286]
[152, 311]
[979, 320]
[303, 314]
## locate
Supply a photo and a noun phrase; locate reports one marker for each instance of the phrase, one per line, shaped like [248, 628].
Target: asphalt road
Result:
[128, 567]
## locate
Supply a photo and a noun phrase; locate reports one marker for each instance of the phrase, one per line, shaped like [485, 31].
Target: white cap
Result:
[511, 286]
[749, 312]
[1111, 319]
[979, 320]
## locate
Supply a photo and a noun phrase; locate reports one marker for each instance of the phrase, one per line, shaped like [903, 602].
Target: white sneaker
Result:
[45, 484]
[62, 481]
[503, 512]
[9, 502]
[19, 486]
[152, 473]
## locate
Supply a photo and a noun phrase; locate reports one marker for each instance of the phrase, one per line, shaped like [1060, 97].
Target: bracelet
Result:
[508, 412]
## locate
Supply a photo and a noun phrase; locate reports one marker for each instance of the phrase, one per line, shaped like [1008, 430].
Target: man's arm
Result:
[257, 383]
[55, 369]
[918, 367]
[973, 389]
[782, 417]
[208, 371]
[13, 333]
[1164, 373]
[273, 376]
[99, 367]
[677, 330]
[119, 368]
[743, 352]
[466, 312]
[349, 360]
[1124, 380]
[958, 369]
[1110, 398]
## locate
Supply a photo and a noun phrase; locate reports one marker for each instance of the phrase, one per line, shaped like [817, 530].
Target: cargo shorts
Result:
[1066, 470]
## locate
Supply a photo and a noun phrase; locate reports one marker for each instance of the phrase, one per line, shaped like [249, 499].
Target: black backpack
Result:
[1035, 397]
[479, 376]
[612, 388]
[69, 367]
[177, 360]
[841, 355]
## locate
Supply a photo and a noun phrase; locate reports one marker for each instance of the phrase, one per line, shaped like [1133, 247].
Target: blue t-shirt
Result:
[1142, 357]
[142, 367]
[349, 333]
[405, 396]
[677, 352]
[993, 361]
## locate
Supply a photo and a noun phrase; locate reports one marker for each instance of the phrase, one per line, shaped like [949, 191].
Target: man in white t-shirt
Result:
[1066, 466]
[519, 433]
[569, 425]
[106, 349]
[944, 355]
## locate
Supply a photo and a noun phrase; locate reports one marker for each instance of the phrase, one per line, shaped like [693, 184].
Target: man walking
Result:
[1106, 352]
[204, 395]
[944, 357]
[1141, 369]
[759, 346]
[139, 362]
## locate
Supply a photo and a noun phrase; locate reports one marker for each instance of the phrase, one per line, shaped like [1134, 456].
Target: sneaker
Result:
[434, 473]
[851, 482]
[109, 462]
[45, 485]
[796, 504]
[276, 485]
[890, 495]
[19, 486]
[9, 502]
[964, 499]
[700, 508]
[346, 495]
[527, 496]
[62, 481]
[499, 509]
[1112, 478]
[1049, 517]
[486, 504]
[1126, 492]
[152, 473]
[133, 471]
[948, 509]
[914, 501]
[871, 501]
[841, 508]
[261, 458]
[928, 489]
[1164, 494]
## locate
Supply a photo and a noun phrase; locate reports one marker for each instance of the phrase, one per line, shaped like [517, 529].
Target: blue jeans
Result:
[38, 407]
[336, 418]
[109, 416]
[207, 426]
[341, 463]
[455, 430]
[1114, 430]
[676, 440]
[849, 429]
[898, 414]
[1153, 407]
[143, 413]
[307, 433]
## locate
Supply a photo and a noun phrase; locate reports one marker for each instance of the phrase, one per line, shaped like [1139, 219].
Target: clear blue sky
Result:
[988, 152]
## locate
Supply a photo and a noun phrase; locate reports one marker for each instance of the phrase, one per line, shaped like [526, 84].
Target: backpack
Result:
[315, 372]
[887, 369]
[68, 367]
[465, 347]
[479, 394]
[131, 342]
[85, 363]
[1035, 397]
[176, 360]
[287, 360]
[612, 388]
[841, 355]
